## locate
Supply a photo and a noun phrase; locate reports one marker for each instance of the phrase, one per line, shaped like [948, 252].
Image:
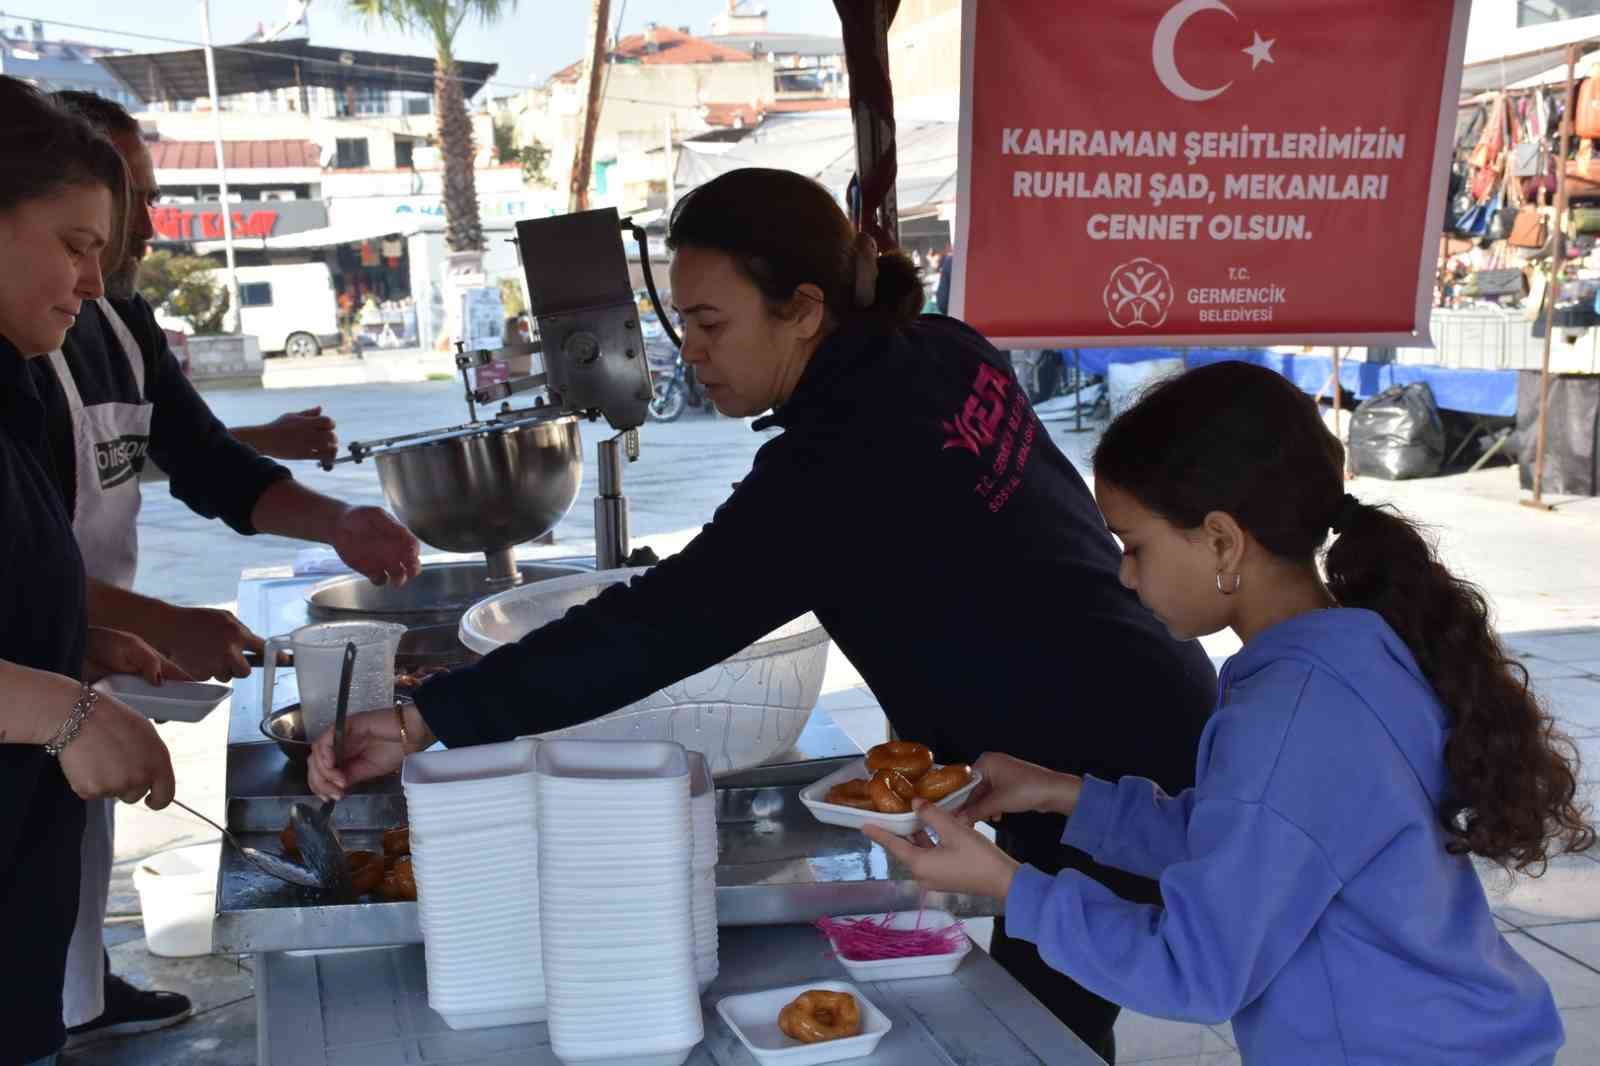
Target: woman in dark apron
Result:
[63, 206]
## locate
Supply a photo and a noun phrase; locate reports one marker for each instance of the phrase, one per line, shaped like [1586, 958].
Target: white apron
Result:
[109, 441]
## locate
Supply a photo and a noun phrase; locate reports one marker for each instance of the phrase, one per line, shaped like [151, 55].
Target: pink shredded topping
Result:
[871, 939]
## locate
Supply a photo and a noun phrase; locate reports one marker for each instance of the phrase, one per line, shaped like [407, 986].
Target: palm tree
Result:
[441, 19]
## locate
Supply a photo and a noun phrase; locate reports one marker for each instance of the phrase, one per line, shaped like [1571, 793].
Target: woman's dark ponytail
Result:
[1513, 775]
[899, 295]
[1240, 439]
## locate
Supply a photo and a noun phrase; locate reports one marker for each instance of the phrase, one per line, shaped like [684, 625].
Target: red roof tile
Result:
[252, 155]
[671, 46]
[741, 116]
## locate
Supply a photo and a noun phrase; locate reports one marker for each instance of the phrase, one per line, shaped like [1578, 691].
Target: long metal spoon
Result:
[313, 828]
[265, 861]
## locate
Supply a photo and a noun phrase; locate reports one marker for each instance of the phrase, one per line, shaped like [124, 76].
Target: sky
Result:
[539, 38]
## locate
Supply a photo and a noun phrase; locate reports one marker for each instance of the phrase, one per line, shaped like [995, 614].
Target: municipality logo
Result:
[1139, 293]
[119, 460]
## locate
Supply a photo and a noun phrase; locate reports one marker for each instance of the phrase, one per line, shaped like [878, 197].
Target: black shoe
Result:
[130, 1010]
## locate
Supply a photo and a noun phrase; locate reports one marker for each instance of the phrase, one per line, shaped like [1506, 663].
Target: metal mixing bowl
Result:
[486, 489]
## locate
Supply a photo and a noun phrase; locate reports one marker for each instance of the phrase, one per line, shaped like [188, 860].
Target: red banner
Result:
[1202, 172]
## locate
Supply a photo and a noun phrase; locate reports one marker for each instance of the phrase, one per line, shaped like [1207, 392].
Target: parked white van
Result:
[288, 307]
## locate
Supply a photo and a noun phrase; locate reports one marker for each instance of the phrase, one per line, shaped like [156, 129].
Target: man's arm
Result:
[307, 434]
[369, 541]
[204, 641]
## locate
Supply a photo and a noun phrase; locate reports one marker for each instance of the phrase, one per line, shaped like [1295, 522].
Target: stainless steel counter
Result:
[371, 1009]
[778, 864]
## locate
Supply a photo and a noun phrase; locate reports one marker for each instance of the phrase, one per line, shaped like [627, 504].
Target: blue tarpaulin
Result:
[1483, 392]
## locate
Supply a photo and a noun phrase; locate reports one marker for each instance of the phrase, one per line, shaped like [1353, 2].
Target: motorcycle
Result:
[674, 387]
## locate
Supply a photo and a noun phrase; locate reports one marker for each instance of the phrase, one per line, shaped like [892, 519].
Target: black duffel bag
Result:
[1397, 434]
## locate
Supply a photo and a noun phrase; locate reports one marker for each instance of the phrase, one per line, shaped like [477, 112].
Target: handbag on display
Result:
[1474, 222]
[1582, 182]
[1530, 229]
[1491, 284]
[1585, 219]
[1529, 159]
[1586, 116]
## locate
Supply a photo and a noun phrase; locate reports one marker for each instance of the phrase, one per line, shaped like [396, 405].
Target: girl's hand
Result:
[964, 860]
[111, 651]
[1011, 785]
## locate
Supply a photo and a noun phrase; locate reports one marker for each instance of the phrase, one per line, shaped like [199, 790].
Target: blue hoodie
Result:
[1308, 894]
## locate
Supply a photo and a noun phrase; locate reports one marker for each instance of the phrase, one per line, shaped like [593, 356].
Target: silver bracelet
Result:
[70, 729]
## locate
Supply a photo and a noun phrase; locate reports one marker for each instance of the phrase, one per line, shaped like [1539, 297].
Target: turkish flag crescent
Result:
[1204, 172]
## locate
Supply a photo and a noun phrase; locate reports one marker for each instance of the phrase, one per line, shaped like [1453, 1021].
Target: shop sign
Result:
[175, 223]
[264, 218]
[1204, 172]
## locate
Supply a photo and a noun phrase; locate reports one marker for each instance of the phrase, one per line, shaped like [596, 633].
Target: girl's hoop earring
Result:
[1227, 591]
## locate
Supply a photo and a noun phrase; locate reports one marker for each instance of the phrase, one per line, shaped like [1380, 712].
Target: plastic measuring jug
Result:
[318, 659]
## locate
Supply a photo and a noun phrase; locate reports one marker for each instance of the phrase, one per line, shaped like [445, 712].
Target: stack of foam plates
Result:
[615, 844]
[475, 854]
[703, 867]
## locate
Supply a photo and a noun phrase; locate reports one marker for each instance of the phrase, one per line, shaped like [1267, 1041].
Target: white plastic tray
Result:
[754, 1020]
[173, 701]
[854, 818]
[917, 966]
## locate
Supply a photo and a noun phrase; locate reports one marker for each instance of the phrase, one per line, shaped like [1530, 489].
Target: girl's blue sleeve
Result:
[1231, 917]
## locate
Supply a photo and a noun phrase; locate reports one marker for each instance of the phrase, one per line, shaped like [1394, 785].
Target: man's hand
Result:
[111, 651]
[206, 641]
[304, 434]
[373, 544]
[964, 860]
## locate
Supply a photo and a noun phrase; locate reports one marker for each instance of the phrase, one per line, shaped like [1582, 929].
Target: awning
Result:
[326, 236]
[263, 66]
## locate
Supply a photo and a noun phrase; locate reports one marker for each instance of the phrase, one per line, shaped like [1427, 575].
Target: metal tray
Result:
[441, 593]
[777, 864]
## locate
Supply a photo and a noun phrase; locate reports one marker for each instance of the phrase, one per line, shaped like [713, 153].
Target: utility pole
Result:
[578, 188]
[222, 166]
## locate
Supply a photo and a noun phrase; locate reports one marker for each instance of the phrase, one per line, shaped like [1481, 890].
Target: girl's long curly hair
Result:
[1240, 439]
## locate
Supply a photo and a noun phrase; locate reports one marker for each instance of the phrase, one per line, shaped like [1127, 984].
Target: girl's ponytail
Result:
[1513, 774]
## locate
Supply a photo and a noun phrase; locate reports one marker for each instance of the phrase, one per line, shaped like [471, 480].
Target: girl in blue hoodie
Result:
[1371, 735]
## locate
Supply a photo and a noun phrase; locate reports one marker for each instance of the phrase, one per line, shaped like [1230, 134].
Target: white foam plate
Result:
[852, 818]
[916, 966]
[754, 1020]
[172, 701]
[463, 1019]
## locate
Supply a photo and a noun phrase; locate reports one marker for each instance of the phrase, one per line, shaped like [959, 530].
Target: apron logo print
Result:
[119, 460]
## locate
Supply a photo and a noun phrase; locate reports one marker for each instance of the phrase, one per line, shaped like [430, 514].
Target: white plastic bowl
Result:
[177, 894]
[738, 714]
[914, 966]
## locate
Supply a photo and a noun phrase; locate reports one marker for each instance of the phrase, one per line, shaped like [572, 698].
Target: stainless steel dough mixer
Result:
[495, 482]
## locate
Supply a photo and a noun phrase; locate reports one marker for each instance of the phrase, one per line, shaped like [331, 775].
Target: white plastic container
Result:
[754, 1020]
[854, 818]
[172, 701]
[739, 713]
[915, 966]
[178, 893]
